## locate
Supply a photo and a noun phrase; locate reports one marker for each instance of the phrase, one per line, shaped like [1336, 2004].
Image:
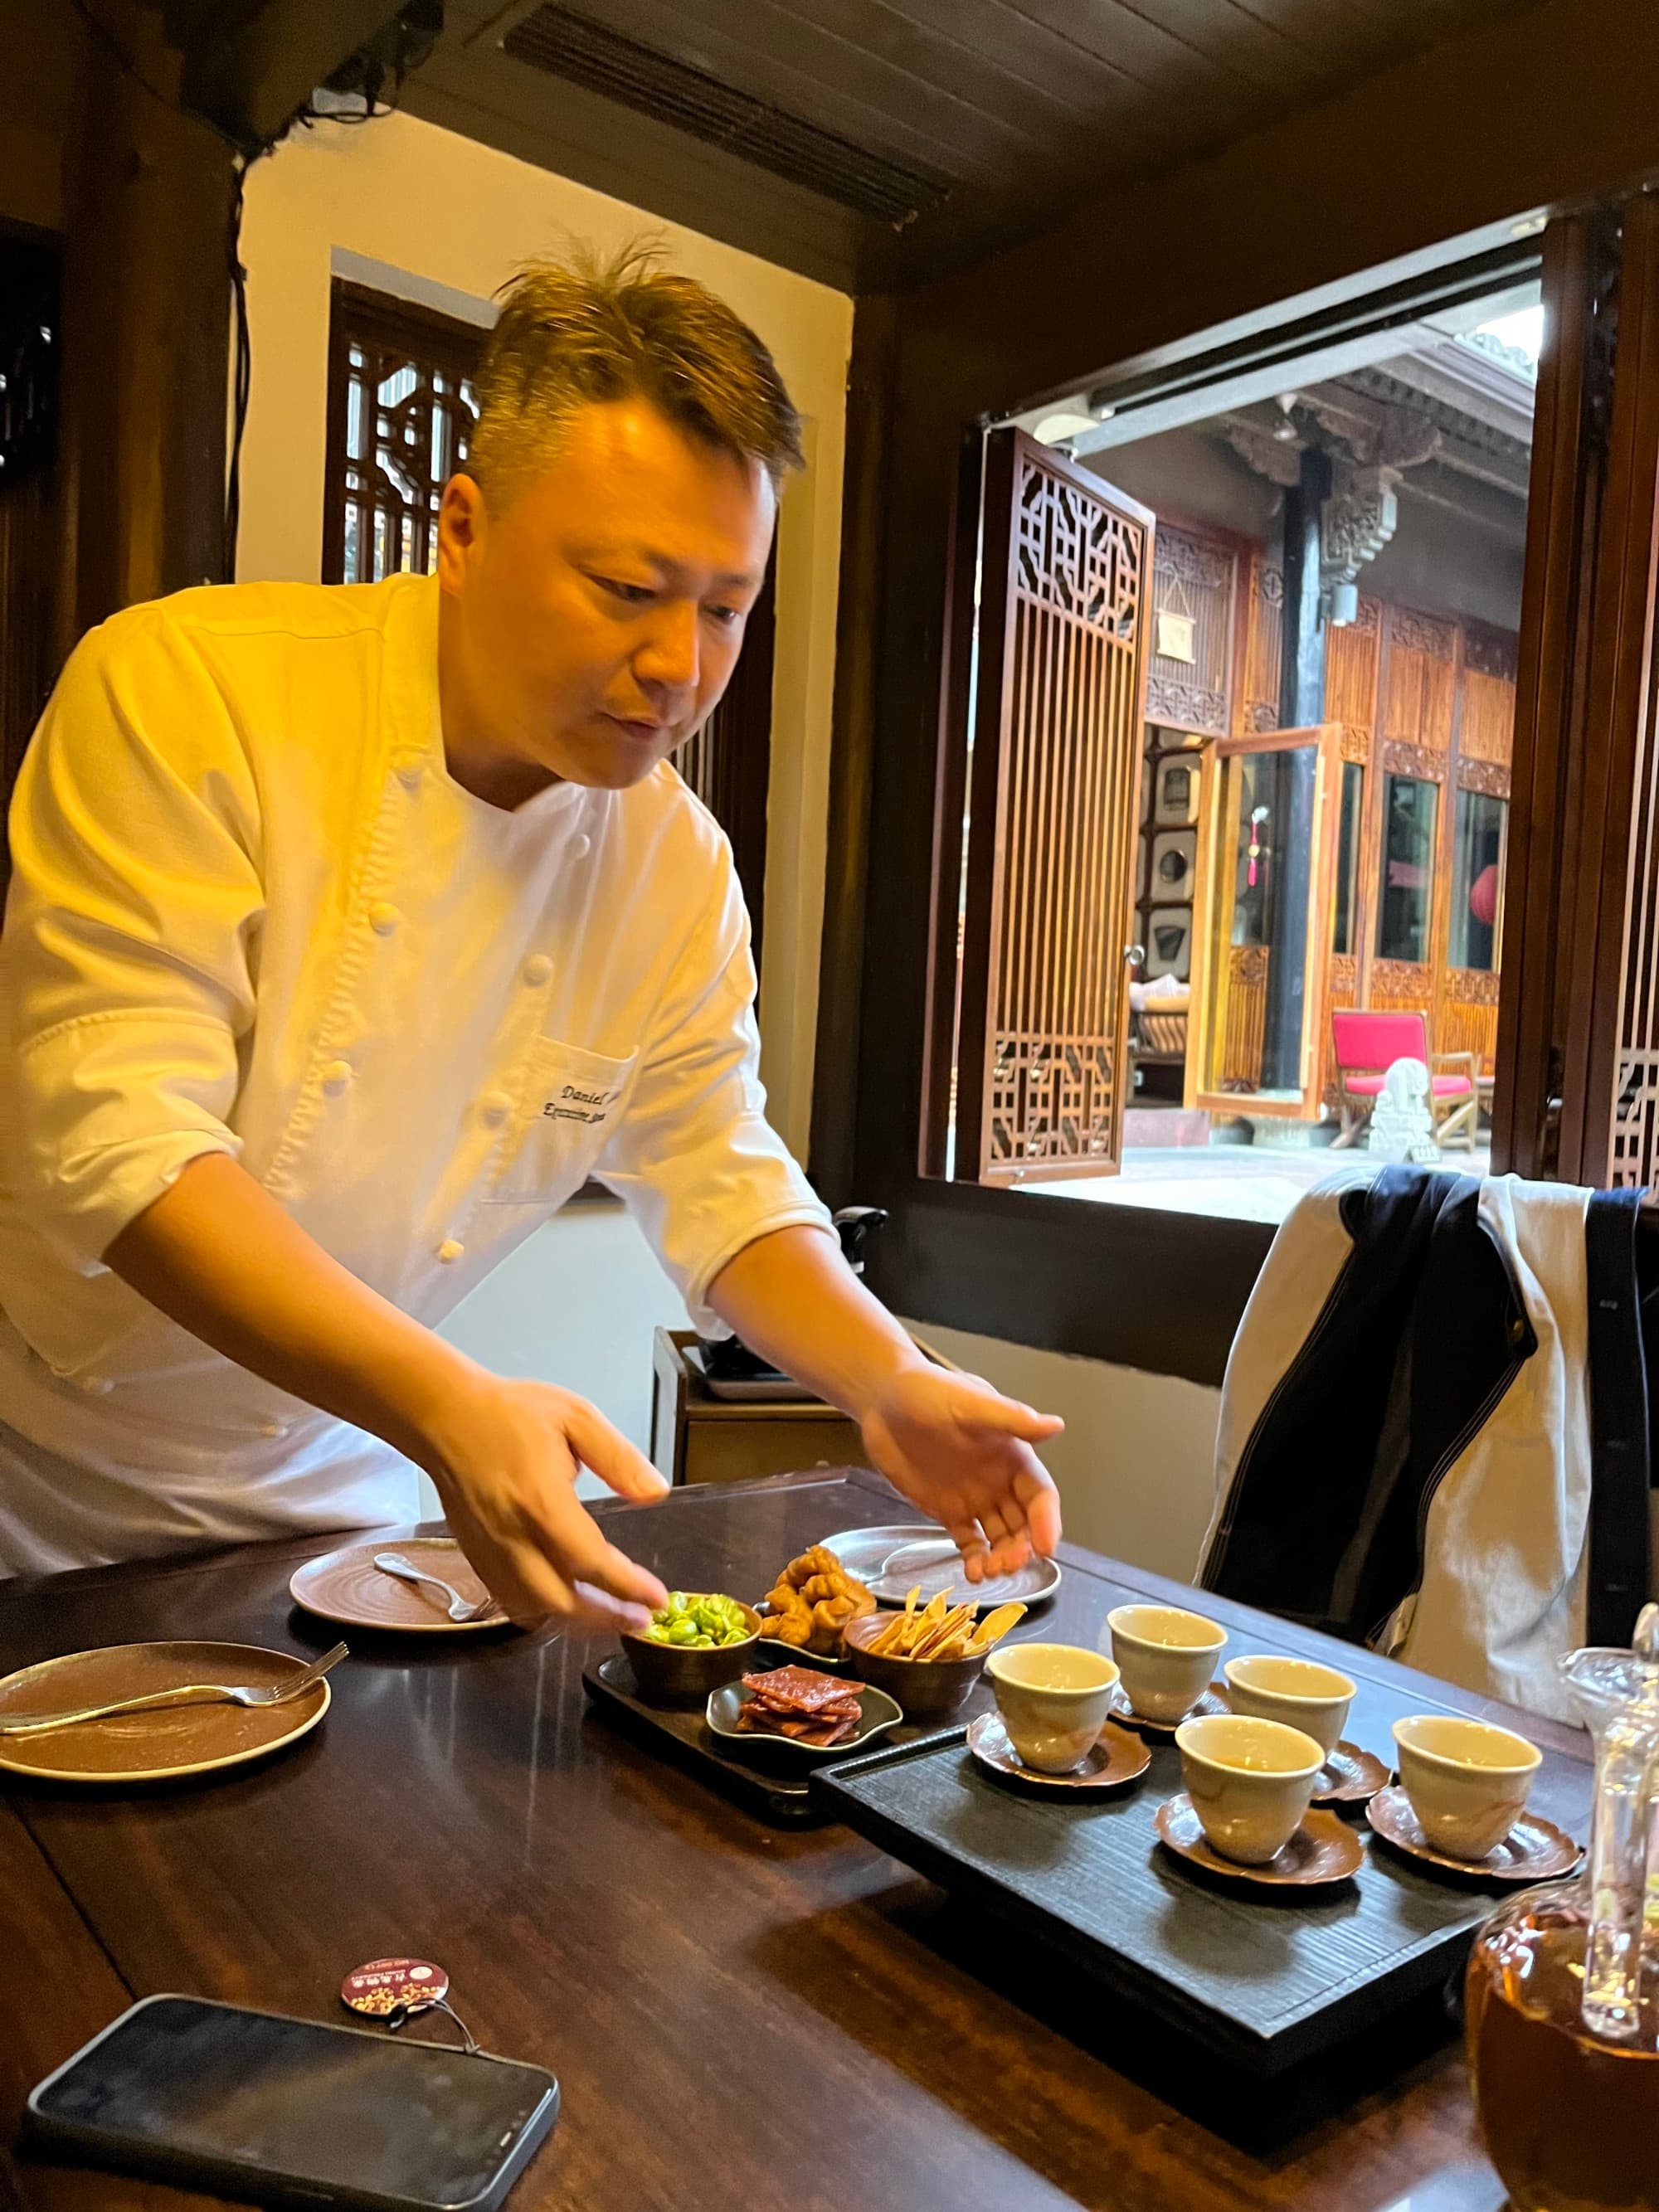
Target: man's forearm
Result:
[792, 1298]
[218, 1256]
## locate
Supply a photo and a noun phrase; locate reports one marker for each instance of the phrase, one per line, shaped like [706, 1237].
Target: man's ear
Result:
[463, 524]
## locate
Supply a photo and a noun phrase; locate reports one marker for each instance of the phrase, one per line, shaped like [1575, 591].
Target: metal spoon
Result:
[461, 1610]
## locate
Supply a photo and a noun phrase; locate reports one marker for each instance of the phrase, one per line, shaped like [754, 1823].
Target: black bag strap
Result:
[1619, 1572]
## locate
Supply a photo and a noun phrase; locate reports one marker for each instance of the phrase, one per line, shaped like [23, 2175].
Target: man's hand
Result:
[505, 1456]
[963, 1453]
[952, 1444]
[219, 1255]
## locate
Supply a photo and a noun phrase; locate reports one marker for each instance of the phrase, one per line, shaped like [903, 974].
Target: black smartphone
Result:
[256, 2105]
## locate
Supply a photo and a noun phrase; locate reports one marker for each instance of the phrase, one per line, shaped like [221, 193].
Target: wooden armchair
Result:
[1367, 1046]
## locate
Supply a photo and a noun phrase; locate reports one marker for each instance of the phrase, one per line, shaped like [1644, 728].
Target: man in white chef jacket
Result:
[351, 928]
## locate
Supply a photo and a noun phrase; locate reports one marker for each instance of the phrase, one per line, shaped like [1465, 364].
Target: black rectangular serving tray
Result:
[767, 1783]
[1263, 1979]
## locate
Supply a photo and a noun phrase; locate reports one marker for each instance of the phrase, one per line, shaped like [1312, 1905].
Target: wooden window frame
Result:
[444, 341]
[1128, 1285]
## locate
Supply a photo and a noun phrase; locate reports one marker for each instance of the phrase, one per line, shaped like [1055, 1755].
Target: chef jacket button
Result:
[272, 1427]
[494, 1106]
[449, 1249]
[409, 769]
[383, 918]
[537, 969]
[96, 1386]
[336, 1076]
[581, 845]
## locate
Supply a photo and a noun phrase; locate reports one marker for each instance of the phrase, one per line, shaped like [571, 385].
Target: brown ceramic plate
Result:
[1350, 1776]
[1118, 1758]
[1534, 1849]
[1324, 1850]
[155, 1747]
[347, 1586]
[1214, 1701]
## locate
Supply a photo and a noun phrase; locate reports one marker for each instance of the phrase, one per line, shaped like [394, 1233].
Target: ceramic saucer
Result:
[1534, 1849]
[1349, 1777]
[1214, 1700]
[1324, 1850]
[1117, 1758]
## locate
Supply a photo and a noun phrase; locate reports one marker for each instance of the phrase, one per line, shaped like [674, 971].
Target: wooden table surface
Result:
[737, 2015]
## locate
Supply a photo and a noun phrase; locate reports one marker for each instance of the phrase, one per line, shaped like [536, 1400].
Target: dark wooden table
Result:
[752, 2018]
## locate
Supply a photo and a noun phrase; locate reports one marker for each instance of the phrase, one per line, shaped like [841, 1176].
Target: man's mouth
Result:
[643, 734]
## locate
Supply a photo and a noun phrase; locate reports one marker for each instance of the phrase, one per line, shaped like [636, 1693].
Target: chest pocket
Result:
[570, 1108]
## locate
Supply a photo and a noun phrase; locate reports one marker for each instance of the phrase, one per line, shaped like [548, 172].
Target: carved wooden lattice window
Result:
[1060, 696]
[401, 409]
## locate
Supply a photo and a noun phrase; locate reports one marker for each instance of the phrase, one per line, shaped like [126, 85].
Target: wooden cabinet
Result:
[697, 1438]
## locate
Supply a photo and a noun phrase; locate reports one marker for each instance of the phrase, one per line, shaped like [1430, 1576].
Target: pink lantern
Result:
[1483, 895]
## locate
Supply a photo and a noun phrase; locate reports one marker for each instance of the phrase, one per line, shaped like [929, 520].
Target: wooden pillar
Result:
[1302, 704]
[146, 320]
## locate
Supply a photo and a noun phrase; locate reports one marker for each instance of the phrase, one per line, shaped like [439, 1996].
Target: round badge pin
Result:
[388, 1985]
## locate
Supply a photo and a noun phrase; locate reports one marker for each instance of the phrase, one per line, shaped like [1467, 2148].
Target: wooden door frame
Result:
[1325, 739]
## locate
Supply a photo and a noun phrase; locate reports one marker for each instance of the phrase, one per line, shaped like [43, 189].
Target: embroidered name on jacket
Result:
[573, 1105]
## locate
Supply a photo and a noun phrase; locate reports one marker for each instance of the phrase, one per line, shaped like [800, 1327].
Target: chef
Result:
[351, 929]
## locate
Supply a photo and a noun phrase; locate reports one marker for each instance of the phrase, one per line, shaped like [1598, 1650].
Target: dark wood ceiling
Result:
[1013, 110]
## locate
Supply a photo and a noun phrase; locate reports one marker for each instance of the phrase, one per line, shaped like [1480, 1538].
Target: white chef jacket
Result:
[252, 913]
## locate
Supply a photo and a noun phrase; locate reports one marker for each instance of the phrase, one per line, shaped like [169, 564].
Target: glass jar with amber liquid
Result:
[1562, 2005]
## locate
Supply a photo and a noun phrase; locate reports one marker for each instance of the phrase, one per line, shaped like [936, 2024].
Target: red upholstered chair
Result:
[1367, 1046]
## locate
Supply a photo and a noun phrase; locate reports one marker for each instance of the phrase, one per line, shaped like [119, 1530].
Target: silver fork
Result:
[186, 1694]
[460, 1609]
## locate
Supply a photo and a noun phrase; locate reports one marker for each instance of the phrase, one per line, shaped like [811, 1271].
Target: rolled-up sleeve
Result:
[126, 970]
[696, 1160]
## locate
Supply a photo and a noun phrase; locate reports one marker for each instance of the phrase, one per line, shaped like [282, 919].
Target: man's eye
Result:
[727, 617]
[632, 595]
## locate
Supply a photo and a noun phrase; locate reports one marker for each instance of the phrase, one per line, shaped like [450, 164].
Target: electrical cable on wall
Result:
[401, 47]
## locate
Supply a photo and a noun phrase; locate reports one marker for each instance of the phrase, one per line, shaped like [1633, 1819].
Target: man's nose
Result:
[670, 655]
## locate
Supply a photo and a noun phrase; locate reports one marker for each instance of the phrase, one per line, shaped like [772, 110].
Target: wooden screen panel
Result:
[1042, 1059]
[1344, 994]
[1419, 678]
[729, 762]
[1400, 987]
[1244, 1039]
[1195, 592]
[1486, 715]
[1466, 1019]
[1352, 654]
[1257, 706]
[401, 409]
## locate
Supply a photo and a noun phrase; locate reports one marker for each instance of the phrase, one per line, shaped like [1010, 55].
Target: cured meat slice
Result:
[799, 1689]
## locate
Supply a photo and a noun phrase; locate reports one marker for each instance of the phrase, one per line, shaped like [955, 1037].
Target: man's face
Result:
[591, 625]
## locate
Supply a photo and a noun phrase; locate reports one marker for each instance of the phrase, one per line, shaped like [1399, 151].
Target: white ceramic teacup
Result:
[1299, 1692]
[1249, 1781]
[1468, 1781]
[1166, 1657]
[1053, 1699]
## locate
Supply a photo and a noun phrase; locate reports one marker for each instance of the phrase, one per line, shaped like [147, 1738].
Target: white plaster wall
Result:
[1135, 1465]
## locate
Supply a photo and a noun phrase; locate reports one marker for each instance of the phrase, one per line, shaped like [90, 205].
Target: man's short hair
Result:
[589, 329]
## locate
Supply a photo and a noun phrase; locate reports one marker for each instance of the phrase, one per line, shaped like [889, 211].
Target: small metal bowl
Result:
[928, 1689]
[685, 1673]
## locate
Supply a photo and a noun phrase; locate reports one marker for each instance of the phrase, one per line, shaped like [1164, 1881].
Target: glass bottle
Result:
[1562, 2005]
